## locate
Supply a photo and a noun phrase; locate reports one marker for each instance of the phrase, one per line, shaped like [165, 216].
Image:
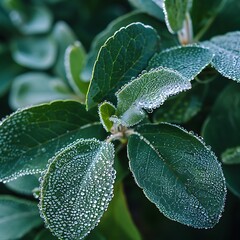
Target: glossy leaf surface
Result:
[77, 188]
[178, 173]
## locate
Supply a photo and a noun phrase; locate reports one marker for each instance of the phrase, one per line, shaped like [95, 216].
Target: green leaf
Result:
[32, 20]
[231, 156]
[178, 173]
[29, 137]
[123, 56]
[188, 60]
[17, 217]
[36, 87]
[167, 39]
[226, 51]
[175, 13]
[77, 188]
[148, 91]
[45, 234]
[181, 108]
[75, 60]
[106, 110]
[64, 36]
[24, 184]
[220, 128]
[34, 52]
[151, 7]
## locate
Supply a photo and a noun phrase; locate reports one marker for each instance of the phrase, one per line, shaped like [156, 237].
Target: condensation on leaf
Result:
[77, 187]
[148, 92]
[227, 54]
[178, 173]
[29, 137]
[188, 60]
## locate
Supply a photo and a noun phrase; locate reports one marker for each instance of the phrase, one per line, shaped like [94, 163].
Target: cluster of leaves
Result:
[115, 96]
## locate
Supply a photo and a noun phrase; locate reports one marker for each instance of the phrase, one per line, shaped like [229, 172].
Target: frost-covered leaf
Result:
[34, 52]
[231, 156]
[175, 13]
[17, 217]
[123, 56]
[167, 39]
[182, 107]
[148, 92]
[151, 7]
[221, 130]
[74, 62]
[37, 87]
[226, 49]
[29, 137]
[178, 173]
[77, 188]
[24, 184]
[188, 60]
[64, 36]
[118, 218]
[106, 110]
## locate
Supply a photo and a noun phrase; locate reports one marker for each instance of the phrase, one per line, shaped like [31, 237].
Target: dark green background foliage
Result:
[99, 86]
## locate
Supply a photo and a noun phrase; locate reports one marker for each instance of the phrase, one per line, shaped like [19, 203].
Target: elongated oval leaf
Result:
[106, 110]
[74, 62]
[31, 136]
[148, 91]
[178, 173]
[64, 36]
[123, 56]
[34, 52]
[187, 60]
[36, 87]
[77, 188]
[17, 217]
[227, 54]
[175, 13]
